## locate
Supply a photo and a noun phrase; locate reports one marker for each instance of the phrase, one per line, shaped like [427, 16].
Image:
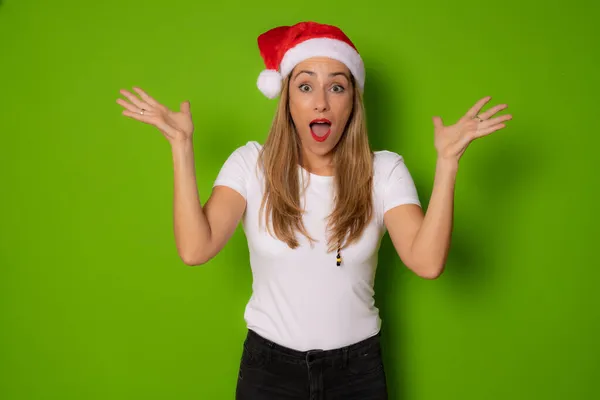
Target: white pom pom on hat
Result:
[269, 83]
[283, 47]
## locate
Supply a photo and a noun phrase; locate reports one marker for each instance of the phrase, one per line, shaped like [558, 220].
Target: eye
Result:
[338, 88]
[304, 87]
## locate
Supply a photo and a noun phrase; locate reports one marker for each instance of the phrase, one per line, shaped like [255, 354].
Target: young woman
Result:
[314, 202]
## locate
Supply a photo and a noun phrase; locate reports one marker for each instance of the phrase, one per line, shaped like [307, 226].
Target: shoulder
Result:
[245, 156]
[385, 161]
[393, 181]
[386, 156]
[238, 168]
[242, 160]
[250, 150]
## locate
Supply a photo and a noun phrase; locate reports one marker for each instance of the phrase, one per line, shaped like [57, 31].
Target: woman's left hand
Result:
[452, 141]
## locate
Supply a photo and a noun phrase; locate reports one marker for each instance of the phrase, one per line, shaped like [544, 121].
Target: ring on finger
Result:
[477, 118]
[142, 111]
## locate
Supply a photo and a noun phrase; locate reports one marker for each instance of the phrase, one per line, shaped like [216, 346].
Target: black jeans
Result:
[271, 371]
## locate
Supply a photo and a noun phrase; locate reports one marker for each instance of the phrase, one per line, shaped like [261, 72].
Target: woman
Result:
[314, 202]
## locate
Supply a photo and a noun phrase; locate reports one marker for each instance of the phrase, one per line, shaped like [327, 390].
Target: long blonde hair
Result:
[280, 158]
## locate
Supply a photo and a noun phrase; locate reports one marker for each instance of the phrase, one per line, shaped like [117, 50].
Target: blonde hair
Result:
[280, 158]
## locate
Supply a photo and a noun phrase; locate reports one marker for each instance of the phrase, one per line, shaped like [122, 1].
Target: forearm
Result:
[432, 243]
[191, 227]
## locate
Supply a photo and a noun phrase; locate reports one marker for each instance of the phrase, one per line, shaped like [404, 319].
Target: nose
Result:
[321, 101]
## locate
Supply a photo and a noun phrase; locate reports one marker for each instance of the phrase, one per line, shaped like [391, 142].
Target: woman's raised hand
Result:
[451, 141]
[175, 126]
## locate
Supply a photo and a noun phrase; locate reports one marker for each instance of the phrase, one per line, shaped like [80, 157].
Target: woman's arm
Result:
[423, 241]
[201, 232]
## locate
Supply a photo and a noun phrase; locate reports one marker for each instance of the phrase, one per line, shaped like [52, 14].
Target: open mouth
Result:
[320, 129]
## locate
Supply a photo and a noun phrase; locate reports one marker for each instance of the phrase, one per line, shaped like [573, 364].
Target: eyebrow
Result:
[331, 75]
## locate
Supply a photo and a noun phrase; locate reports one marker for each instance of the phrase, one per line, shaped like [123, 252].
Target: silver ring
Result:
[142, 112]
[478, 118]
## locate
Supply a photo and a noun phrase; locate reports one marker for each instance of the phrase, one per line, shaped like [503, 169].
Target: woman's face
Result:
[321, 99]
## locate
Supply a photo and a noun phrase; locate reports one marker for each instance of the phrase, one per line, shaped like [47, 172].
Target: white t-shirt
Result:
[300, 298]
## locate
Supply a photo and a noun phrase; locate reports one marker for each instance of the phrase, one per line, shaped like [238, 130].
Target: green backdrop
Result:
[94, 301]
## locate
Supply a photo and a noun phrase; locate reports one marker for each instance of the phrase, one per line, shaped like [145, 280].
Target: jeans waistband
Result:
[257, 342]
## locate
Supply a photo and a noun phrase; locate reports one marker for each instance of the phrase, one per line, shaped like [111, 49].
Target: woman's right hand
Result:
[175, 126]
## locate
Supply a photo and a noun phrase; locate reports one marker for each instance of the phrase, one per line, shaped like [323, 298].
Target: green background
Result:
[94, 301]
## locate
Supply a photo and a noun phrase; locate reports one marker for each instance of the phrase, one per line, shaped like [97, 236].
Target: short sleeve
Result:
[237, 169]
[398, 185]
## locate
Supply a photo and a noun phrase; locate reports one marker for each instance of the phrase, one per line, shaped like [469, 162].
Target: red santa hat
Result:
[283, 47]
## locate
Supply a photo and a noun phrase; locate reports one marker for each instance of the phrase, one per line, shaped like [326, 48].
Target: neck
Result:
[318, 164]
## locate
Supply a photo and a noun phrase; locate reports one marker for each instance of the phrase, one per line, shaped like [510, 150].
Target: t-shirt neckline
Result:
[319, 178]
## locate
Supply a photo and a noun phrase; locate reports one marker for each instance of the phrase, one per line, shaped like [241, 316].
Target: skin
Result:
[320, 88]
[422, 240]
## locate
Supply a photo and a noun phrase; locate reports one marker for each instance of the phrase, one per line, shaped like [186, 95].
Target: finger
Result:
[473, 111]
[491, 122]
[146, 97]
[492, 111]
[128, 106]
[137, 116]
[437, 122]
[185, 107]
[136, 101]
[486, 131]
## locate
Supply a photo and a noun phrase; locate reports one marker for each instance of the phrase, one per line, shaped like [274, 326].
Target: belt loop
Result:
[345, 357]
[269, 351]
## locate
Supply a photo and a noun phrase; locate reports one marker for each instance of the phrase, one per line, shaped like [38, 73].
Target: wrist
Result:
[447, 164]
[183, 154]
[182, 146]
